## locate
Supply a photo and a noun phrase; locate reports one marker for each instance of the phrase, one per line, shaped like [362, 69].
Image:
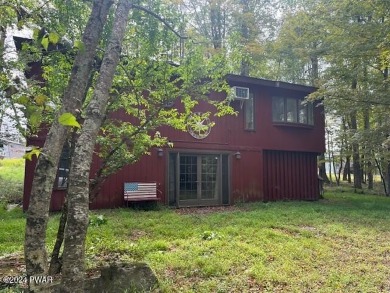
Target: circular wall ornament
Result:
[199, 125]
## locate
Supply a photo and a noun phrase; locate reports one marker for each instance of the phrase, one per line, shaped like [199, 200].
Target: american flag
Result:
[138, 190]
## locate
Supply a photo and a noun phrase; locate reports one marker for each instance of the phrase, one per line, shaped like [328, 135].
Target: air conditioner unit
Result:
[240, 93]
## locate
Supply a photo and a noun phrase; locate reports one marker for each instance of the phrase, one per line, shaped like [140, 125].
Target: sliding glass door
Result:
[195, 179]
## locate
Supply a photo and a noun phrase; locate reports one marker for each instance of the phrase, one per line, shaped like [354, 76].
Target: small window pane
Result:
[292, 110]
[63, 167]
[249, 113]
[278, 109]
[302, 112]
[310, 119]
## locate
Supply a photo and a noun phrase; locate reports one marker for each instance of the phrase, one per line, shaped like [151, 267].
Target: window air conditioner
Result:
[240, 93]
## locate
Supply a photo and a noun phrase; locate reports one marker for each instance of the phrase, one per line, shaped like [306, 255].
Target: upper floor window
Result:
[292, 110]
[249, 113]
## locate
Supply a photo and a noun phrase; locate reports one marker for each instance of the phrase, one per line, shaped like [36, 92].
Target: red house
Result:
[266, 153]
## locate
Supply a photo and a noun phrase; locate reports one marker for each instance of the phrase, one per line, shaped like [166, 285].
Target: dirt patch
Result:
[12, 265]
[136, 234]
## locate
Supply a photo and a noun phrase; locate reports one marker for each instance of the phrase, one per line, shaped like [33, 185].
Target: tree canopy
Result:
[172, 49]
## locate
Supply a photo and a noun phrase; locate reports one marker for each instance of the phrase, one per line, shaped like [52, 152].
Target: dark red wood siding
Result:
[247, 177]
[290, 176]
[278, 161]
[149, 169]
[57, 198]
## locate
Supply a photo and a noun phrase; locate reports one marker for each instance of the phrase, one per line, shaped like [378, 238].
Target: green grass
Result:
[339, 244]
[11, 180]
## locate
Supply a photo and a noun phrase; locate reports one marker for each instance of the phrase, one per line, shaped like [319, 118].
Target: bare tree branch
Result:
[160, 19]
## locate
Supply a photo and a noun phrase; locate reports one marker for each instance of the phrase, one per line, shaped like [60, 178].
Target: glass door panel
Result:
[188, 177]
[209, 178]
[199, 179]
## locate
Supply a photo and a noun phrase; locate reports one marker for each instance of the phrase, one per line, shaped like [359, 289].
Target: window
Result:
[249, 113]
[63, 168]
[292, 110]
[278, 109]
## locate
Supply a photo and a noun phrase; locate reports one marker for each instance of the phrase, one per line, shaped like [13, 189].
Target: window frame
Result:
[296, 117]
[249, 105]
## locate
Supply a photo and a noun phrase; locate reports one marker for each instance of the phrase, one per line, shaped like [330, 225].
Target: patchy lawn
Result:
[339, 244]
[11, 180]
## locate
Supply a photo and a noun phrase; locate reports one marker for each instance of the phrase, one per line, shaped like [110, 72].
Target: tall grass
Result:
[11, 180]
[339, 244]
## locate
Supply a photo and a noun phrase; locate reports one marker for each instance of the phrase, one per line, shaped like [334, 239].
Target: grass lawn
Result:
[11, 180]
[339, 244]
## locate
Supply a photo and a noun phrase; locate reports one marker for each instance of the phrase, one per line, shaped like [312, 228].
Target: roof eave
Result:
[269, 83]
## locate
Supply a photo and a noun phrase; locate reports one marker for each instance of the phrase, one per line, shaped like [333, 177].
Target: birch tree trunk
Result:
[46, 169]
[78, 190]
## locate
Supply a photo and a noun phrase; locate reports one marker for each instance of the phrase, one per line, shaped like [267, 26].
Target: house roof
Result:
[269, 83]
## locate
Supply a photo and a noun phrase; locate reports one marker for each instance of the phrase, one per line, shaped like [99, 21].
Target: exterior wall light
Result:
[237, 155]
[160, 152]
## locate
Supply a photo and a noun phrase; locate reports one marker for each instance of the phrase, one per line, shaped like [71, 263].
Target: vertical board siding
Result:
[262, 173]
[151, 169]
[246, 177]
[290, 176]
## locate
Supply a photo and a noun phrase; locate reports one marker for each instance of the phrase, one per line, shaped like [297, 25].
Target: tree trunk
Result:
[56, 261]
[217, 22]
[378, 165]
[387, 189]
[357, 178]
[370, 176]
[338, 176]
[347, 169]
[245, 39]
[314, 68]
[322, 168]
[330, 153]
[78, 191]
[46, 169]
[367, 127]
[314, 75]
[357, 170]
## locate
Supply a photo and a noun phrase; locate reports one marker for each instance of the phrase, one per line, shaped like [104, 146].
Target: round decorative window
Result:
[199, 125]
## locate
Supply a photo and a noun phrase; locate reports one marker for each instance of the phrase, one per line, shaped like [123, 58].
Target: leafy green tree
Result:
[339, 47]
[353, 78]
[144, 83]
[45, 172]
[240, 29]
[209, 20]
